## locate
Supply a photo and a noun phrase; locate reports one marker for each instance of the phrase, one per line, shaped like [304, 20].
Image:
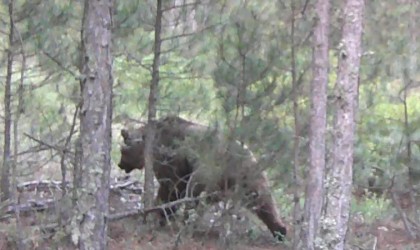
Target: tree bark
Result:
[19, 110]
[318, 125]
[339, 177]
[89, 223]
[148, 152]
[412, 71]
[5, 173]
[297, 180]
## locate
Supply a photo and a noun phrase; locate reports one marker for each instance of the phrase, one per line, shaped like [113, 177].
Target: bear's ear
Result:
[124, 134]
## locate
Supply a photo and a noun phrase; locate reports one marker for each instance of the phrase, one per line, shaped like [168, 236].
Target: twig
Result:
[65, 151]
[187, 34]
[58, 63]
[375, 242]
[304, 7]
[42, 142]
[403, 215]
[193, 4]
[38, 148]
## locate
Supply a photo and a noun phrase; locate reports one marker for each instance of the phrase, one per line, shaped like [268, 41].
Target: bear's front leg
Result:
[166, 194]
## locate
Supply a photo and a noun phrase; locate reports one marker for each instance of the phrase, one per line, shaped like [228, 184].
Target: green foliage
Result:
[238, 46]
[232, 71]
[382, 132]
[284, 201]
[372, 208]
[196, 79]
[180, 92]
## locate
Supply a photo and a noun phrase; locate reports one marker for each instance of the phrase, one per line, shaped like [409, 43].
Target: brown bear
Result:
[190, 158]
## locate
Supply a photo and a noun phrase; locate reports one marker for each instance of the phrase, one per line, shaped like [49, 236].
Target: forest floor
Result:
[167, 239]
[211, 232]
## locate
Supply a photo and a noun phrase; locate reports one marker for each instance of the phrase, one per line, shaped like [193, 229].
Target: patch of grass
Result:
[284, 201]
[372, 207]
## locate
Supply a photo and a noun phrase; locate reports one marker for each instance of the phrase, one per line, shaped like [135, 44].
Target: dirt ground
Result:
[214, 230]
[167, 239]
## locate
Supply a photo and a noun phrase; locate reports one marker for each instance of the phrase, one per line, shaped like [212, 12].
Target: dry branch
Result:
[410, 227]
[29, 206]
[130, 185]
[40, 185]
[43, 143]
[48, 185]
[145, 212]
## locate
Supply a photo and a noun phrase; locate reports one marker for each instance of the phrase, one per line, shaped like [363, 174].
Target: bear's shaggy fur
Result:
[190, 158]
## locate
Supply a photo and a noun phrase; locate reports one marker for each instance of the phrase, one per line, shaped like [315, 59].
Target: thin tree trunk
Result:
[318, 125]
[20, 110]
[90, 222]
[339, 177]
[78, 154]
[297, 210]
[64, 153]
[77, 170]
[148, 152]
[5, 173]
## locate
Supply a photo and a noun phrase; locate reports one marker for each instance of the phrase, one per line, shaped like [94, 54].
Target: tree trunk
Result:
[339, 177]
[318, 125]
[412, 72]
[148, 152]
[5, 173]
[297, 180]
[90, 224]
[20, 245]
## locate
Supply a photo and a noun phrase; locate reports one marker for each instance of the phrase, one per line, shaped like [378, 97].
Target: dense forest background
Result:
[241, 66]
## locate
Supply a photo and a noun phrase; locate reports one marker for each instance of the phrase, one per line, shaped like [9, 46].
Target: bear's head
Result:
[133, 149]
